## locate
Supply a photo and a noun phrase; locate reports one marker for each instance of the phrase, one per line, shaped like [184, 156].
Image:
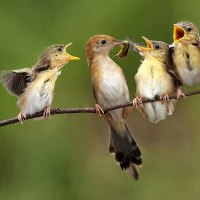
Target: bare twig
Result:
[87, 110]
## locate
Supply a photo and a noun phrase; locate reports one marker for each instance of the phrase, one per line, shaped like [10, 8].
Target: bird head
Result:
[154, 49]
[185, 32]
[100, 45]
[55, 56]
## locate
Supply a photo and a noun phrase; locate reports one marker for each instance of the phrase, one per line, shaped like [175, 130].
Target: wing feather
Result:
[16, 81]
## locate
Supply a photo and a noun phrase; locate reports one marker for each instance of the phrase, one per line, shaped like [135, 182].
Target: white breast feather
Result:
[113, 88]
[39, 96]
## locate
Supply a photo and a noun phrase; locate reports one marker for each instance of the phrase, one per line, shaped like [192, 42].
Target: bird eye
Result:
[189, 29]
[59, 49]
[103, 41]
[156, 46]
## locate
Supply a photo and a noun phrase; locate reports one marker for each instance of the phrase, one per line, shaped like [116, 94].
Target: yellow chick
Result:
[186, 52]
[156, 78]
[34, 86]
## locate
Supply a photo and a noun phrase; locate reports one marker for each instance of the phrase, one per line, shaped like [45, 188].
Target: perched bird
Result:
[110, 88]
[34, 86]
[186, 52]
[155, 78]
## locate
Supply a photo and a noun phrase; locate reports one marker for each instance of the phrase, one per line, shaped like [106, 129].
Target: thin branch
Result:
[87, 110]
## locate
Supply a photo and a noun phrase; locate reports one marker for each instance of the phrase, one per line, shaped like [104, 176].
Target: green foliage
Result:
[66, 157]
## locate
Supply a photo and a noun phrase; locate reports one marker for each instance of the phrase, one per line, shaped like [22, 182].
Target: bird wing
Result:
[41, 68]
[16, 81]
[94, 93]
[175, 77]
[171, 69]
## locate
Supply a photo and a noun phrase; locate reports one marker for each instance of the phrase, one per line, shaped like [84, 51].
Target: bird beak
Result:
[143, 49]
[68, 56]
[179, 33]
[118, 42]
[67, 45]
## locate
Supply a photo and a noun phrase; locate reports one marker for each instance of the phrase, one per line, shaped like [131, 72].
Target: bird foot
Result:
[180, 94]
[137, 102]
[164, 98]
[21, 117]
[99, 109]
[47, 113]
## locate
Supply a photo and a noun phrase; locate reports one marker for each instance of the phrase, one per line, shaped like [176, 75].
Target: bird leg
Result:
[180, 94]
[99, 109]
[137, 102]
[164, 98]
[21, 117]
[46, 112]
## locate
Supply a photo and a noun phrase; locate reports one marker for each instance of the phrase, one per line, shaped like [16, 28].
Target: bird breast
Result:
[153, 80]
[112, 85]
[39, 94]
[187, 62]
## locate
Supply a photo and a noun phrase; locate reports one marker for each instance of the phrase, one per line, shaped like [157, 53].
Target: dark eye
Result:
[189, 29]
[103, 41]
[59, 49]
[156, 46]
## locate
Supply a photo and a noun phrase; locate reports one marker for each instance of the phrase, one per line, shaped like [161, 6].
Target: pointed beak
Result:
[143, 49]
[118, 42]
[68, 56]
[179, 33]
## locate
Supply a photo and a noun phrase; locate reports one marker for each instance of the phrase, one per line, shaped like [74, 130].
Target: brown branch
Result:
[87, 110]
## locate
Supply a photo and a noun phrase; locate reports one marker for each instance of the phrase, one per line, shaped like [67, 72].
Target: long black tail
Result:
[126, 151]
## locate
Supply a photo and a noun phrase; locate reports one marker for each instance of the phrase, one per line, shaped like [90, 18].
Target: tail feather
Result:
[127, 153]
[158, 111]
[134, 172]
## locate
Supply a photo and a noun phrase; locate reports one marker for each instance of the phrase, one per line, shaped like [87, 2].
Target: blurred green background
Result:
[66, 157]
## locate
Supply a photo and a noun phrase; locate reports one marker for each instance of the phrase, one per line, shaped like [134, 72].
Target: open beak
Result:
[68, 56]
[179, 33]
[143, 49]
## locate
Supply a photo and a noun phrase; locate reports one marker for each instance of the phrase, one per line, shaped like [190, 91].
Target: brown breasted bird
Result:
[34, 86]
[110, 88]
[186, 52]
[155, 78]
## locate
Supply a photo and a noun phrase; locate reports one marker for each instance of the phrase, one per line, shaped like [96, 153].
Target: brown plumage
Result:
[110, 88]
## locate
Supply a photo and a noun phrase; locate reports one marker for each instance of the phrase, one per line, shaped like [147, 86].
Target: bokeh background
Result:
[66, 157]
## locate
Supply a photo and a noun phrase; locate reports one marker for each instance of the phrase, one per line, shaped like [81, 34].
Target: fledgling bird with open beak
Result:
[186, 52]
[110, 88]
[34, 86]
[156, 77]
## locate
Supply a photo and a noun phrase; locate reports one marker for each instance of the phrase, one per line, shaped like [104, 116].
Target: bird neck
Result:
[154, 61]
[97, 59]
[58, 63]
[191, 39]
[50, 75]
